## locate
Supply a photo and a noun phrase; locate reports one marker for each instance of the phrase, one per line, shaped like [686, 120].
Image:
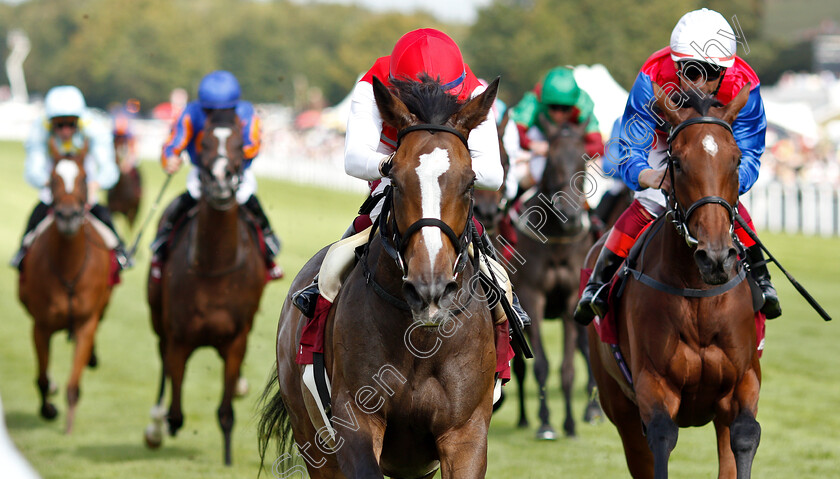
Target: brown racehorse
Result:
[65, 281]
[554, 236]
[124, 196]
[692, 359]
[411, 376]
[212, 283]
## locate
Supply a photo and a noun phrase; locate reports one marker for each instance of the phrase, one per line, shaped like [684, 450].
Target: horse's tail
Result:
[275, 423]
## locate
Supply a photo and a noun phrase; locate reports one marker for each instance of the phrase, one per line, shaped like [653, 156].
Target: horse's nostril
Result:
[449, 290]
[412, 296]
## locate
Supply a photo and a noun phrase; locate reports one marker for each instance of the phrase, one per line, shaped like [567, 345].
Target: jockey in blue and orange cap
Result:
[218, 90]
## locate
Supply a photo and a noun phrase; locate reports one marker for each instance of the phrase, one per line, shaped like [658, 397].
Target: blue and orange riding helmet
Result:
[218, 90]
[431, 52]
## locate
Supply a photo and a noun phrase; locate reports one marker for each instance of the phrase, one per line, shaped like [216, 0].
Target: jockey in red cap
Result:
[369, 146]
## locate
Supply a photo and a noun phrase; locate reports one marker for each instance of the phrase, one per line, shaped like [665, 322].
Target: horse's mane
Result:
[700, 102]
[426, 99]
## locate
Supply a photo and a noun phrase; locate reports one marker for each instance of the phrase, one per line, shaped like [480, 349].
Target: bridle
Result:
[680, 215]
[396, 243]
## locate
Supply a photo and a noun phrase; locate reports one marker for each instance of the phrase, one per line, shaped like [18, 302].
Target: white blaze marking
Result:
[710, 145]
[431, 167]
[219, 168]
[68, 170]
[222, 133]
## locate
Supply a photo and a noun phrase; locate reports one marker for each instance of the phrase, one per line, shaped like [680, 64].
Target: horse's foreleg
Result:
[359, 437]
[154, 431]
[593, 408]
[41, 338]
[658, 405]
[534, 304]
[84, 346]
[176, 363]
[463, 451]
[567, 373]
[521, 373]
[233, 355]
[738, 440]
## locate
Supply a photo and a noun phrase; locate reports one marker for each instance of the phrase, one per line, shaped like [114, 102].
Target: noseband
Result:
[396, 243]
[681, 216]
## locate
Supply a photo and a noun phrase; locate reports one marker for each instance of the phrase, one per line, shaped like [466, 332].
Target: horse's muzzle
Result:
[427, 298]
[716, 264]
[68, 219]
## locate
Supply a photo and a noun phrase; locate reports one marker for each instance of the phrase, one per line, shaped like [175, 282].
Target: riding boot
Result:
[758, 267]
[524, 319]
[306, 299]
[272, 242]
[104, 215]
[595, 298]
[180, 206]
[38, 215]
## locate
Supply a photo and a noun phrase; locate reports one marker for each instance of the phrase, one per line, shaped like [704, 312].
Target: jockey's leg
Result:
[501, 279]
[272, 242]
[758, 267]
[179, 208]
[306, 298]
[338, 262]
[103, 214]
[38, 214]
[628, 227]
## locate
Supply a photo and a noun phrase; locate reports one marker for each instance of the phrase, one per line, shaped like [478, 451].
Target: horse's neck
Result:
[217, 236]
[676, 259]
[66, 252]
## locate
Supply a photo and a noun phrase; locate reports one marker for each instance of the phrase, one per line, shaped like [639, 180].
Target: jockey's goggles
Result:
[693, 70]
[563, 108]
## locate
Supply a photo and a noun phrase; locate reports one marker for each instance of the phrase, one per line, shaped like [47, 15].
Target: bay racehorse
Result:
[66, 279]
[554, 236]
[689, 339]
[411, 375]
[210, 286]
[124, 196]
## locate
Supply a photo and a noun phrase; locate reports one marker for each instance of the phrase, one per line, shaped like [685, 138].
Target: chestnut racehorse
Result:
[65, 279]
[411, 377]
[690, 347]
[554, 236]
[212, 282]
[124, 196]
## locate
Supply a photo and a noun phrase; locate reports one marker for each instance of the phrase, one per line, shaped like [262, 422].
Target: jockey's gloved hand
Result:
[385, 165]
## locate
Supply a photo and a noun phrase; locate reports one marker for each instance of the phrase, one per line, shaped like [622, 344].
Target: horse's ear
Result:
[476, 110]
[549, 127]
[669, 109]
[730, 111]
[392, 110]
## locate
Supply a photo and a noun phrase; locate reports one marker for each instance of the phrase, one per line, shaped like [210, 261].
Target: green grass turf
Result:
[801, 389]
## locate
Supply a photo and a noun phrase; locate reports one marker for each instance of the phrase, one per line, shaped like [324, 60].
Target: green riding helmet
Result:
[559, 88]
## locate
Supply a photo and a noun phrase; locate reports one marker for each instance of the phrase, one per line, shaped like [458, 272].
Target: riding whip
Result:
[813, 302]
[152, 211]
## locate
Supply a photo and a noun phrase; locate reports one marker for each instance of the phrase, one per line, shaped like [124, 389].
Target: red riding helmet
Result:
[428, 51]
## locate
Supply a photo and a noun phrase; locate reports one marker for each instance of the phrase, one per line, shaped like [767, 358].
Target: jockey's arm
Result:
[363, 152]
[749, 129]
[638, 133]
[37, 165]
[179, 137]
[251, 131]
[486, 158]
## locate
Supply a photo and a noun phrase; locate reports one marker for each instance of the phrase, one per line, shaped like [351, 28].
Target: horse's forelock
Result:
[700, 102]
[426, 99]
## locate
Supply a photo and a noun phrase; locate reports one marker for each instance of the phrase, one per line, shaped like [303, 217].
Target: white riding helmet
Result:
[64, 101]
[704, 36]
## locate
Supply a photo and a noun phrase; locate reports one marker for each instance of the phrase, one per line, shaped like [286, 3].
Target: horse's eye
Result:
[676, 163]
